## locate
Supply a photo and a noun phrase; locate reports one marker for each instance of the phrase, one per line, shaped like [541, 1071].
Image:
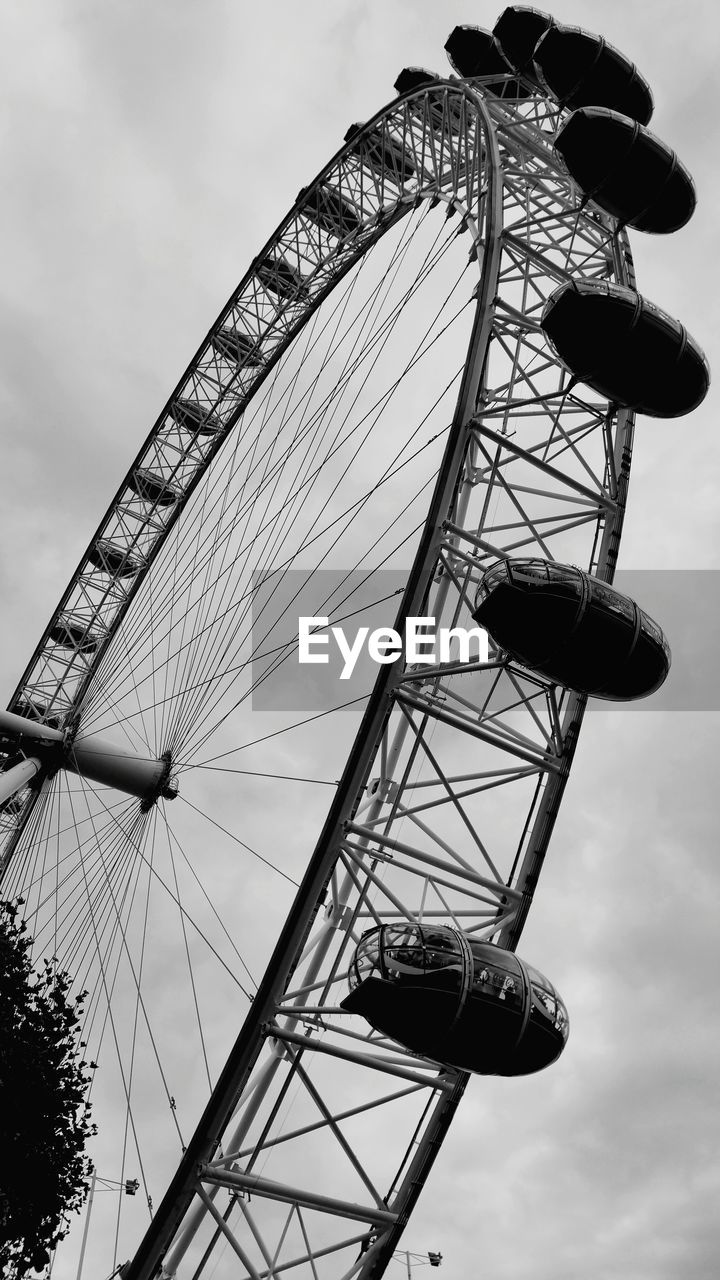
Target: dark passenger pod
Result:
[517, 32]
[581, 69]
[474, 52]
[626, 348]
[468, 1004]
[573, 629]
[627, 170]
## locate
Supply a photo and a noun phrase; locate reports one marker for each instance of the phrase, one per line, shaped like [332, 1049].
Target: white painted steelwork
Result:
[18, 776]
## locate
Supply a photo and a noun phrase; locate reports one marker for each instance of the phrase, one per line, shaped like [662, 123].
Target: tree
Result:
[44, 1115]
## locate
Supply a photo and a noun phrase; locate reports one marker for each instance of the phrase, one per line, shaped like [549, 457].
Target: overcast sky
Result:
[148, 150]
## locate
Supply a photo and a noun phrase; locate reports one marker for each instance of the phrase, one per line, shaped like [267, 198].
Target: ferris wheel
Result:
[436, 361]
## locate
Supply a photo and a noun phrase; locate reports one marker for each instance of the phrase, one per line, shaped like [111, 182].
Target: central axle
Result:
[44, 750]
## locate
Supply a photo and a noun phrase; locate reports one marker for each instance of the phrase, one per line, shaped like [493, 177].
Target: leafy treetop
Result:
[44, 1115]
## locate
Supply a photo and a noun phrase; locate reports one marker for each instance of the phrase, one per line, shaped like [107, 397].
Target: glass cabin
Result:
[517, 31]
[153, 488]
[334, 215]
[385, 155]
[573, 628]
[625, 169]
[468, 1004]
[626, 348]
[280, 278]
[73, 635]
[440, 116]
[581, 69]
[412, 78]
[112, 559]
[194, 417]
[474, 52]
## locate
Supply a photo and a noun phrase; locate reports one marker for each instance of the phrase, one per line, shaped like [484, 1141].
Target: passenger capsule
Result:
[194, 417]
[152, 488]
[580, 69]
[113, 560]
[517, 32]
[238, 347]
[468, 1004]
[626, 348]
[626, 170]
[279, 277]
[73, 635]
[412, 78]
[332, 212]
[572, 628]
[441, 115]
[382, 153]
[474, 53]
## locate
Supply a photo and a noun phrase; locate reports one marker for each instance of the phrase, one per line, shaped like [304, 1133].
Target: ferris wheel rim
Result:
[89, 657]
[434, 95]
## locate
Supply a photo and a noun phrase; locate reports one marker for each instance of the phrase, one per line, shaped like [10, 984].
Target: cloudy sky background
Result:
[148, 149]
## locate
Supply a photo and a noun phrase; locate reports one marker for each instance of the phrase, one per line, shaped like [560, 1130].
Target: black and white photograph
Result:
[361, 609]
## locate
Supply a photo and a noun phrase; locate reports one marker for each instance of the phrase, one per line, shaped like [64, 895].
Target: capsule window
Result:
[538, 979]
[367, 959]
[531, 571]
[617, 603]
[403, 951]
[400, 960]
[649, 625]
[654, 631]
[546, 1000]
[364, 965]
[443, 941]
[492, 577]
[564, 573]
[442, 949]
[489, 981]
[654, 310]
[561, 1019]
[401, 936]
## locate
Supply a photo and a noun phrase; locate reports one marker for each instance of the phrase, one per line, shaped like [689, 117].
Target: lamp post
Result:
[434, 1259]
[129, 1186]
[87, 1223]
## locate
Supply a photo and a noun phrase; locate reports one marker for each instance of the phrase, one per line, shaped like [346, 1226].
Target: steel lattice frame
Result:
[449, 797]
[534, 465]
